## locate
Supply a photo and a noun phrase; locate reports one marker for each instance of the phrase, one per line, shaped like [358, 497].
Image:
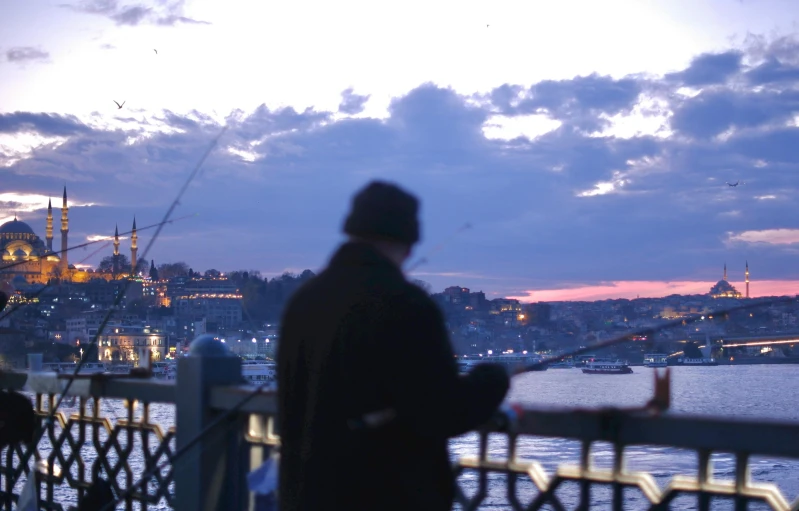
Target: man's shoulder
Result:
[414, 298]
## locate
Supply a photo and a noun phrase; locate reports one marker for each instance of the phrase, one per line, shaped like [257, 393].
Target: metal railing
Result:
[89, 443]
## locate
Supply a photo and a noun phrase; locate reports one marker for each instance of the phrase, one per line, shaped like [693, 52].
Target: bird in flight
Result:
[119, 107]
[156, 51]
[734, 184]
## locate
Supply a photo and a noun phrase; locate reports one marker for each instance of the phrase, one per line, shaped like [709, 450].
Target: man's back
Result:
[359, 339]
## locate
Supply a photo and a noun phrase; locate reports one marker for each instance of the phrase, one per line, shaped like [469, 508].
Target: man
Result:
[368, 386]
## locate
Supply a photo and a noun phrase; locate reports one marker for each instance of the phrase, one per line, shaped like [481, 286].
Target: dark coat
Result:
[356, 339]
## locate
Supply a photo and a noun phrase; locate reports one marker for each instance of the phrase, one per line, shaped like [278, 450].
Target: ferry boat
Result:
[260, 372]
[696, 362]
[512, 361]
[69, 367]
[597, 366]
[656, 360]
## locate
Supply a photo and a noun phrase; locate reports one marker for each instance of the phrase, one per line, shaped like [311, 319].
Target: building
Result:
[723, 289]
[131, 344]
[26, 258]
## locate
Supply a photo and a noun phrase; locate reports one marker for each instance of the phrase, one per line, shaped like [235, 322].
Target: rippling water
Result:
[729, 391]
[755, 391]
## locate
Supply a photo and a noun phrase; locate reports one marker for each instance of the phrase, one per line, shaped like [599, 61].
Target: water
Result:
[768, 392]
[756, 391]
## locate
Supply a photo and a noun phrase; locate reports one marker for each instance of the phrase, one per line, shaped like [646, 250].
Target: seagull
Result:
[119, 107]
[734, 184]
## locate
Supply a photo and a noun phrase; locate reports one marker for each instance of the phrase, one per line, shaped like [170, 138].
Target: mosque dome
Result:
[15, 227]
[20, 253]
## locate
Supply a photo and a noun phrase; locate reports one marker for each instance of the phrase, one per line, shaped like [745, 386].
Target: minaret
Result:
[134, 248]
[49, 234]
[725, 272]
[747, 279]
[64, 233]
[116, 250]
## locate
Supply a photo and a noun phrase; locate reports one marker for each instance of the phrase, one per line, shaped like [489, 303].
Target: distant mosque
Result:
[723, 289]
[35, 261]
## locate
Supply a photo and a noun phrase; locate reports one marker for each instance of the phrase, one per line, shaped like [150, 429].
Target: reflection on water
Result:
[727, 391]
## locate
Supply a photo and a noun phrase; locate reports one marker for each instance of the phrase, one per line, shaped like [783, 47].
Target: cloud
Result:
[22, 54]
[652, 289]
[567, 199]
[164, 13]
[352, 103]
[710, 69]
[42, 124]
[768, 236]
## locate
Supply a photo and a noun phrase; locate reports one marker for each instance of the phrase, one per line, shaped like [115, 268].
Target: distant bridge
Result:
[759, 340]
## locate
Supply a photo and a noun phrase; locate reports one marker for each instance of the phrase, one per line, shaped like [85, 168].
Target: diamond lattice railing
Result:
[80, 446]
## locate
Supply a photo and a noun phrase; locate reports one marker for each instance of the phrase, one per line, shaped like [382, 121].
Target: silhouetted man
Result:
[368, 386]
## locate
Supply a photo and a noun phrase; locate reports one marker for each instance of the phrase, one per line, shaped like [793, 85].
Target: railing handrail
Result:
[619, 426]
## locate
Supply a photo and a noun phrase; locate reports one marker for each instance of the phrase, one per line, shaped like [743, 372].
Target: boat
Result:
[260, 372]
[69, 367]
[513, 362]
[696, 362]
[656, 360]
[607, 366]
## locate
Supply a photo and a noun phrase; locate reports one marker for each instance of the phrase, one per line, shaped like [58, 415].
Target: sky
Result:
[589, 145]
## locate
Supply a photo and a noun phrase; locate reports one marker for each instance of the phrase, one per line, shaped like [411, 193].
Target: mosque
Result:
[36, 262]
[723, 289]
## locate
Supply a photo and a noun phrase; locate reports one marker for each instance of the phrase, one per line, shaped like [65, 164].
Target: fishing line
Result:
[104, 238]
[49, 284]
[93, 346]
[437, 248]
[653, 330]
[180, 452]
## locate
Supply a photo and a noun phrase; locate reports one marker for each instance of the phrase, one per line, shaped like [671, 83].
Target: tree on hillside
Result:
[212, 274]
[171, 270]
[107, 265]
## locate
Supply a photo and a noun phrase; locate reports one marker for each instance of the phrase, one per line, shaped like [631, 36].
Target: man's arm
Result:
[422, 374]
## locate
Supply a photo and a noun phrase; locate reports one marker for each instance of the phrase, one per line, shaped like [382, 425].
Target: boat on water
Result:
[69, 367]
[656, 360]
[607, 366]
[696, 362]
[259, 373]
[512, 361]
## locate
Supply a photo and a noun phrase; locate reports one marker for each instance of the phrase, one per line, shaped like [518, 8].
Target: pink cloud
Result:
[770, 236]
[653, 289]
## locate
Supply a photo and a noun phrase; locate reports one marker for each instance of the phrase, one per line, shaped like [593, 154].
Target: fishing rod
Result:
[424, 259]
[104, 238]
[183, 450]
[50, 283]
[93, 345]
[712, 316]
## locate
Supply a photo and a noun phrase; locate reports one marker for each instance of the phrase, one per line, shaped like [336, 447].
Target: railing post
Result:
[208, 476]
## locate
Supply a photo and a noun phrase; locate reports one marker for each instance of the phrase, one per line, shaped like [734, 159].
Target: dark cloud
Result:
[352, 103]
[164, 12]
[577, 102]
[710, 69]
[715, 111]
[43, 124]
[274, 193]
[26, 54]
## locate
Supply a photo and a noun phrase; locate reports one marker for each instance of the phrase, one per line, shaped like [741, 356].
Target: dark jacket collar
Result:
[354, 253]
